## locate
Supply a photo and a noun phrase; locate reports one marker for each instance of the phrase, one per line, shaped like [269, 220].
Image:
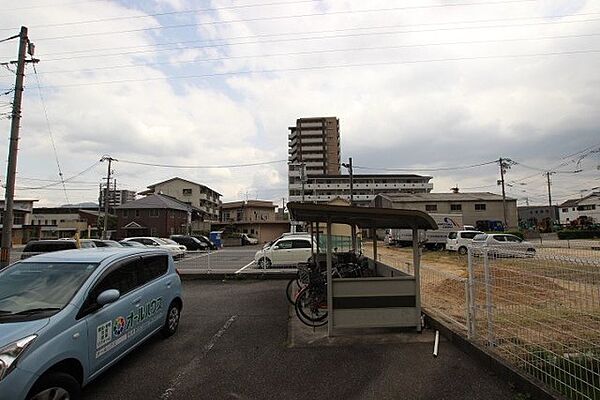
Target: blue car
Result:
[66, 317]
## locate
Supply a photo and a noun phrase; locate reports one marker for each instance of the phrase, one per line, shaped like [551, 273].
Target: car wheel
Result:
[172, 321]
[264, 263]
[462, 250]
[56, 386]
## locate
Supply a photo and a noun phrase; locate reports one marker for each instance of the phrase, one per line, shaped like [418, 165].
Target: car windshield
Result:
[480, 238]
[28, 288]
[169, 241]
[161, 241]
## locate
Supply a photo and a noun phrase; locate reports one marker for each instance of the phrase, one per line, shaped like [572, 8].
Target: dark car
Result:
[190, 242]
[206, 240]
[35, 247]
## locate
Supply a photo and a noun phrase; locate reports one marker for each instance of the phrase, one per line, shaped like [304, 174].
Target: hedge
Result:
[566, 235]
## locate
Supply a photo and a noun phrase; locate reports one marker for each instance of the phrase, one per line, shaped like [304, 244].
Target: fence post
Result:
[471, 296]
[208, 257]
[489, 305]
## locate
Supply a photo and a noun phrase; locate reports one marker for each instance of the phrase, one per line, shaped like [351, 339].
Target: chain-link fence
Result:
[541, 313]
[567, 248]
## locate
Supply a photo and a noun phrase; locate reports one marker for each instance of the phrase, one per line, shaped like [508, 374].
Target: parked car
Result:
[460, 241]
[497, 243]
[489, 225]
[248, 240]
[206, 240]
[66, 317]
[106, 243]
[177, 250]
[190, 242]
[287, 235]
[35, 247]
[131, 243]
[287, 251]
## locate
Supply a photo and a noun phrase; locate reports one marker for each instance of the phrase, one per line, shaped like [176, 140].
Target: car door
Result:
[281, 253]
[301, 250]
[155, 291]
[113, 328]
[451, 240]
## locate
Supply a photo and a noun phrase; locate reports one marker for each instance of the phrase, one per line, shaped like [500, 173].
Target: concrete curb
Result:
[521, 382]
[231, 275]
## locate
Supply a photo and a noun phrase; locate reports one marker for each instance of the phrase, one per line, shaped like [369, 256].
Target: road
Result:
[233, 344]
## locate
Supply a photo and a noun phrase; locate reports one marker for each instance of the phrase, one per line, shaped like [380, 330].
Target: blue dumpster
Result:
[215, 237]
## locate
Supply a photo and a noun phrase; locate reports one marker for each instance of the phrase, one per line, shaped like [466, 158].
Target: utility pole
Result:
[351, 173]
[106, 196]
[352, 227]
[548, 174]
[11, 170]
[505, 164]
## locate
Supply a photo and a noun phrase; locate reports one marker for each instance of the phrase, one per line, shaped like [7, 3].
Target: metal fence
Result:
[568, 248]
[541, 313]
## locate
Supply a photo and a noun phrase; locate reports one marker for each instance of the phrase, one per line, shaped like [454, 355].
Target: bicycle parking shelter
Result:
[391, 298]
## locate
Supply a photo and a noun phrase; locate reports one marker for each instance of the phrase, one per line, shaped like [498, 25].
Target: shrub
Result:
[570, 235]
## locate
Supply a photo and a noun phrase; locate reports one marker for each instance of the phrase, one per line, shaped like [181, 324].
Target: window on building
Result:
[455, 207]
[187, 192]
[137, 213]
[430, 207]
[154, 212]
[53, 222]
[19, 219]
[480, 207]
[565, 210]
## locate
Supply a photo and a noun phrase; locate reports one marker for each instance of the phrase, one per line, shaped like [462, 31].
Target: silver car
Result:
[503, 244]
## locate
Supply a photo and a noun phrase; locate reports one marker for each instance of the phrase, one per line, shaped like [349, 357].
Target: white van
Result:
[459, 241]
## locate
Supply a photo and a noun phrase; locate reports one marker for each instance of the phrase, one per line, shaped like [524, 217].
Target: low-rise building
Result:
[253, 217]
[537, 217]
[22, 231]
[203, 198]
[578, 211]
[324, 188]
[474, 207]
[66, 222]
[153, 215]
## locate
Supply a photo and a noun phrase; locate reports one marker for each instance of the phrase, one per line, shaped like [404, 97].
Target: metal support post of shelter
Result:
[417, 274]
[329, 281]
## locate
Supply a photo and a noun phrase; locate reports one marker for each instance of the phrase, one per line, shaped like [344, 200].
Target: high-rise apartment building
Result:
[315, 142]
[314, 173]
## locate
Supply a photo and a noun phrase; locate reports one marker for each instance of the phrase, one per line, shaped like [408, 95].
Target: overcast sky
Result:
[415, 84]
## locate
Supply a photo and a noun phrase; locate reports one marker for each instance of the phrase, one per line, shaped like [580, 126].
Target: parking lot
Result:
[233, 344]
[226, 259]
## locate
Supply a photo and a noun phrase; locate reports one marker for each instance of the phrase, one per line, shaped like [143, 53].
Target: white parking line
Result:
[244, 267]
[194, 363]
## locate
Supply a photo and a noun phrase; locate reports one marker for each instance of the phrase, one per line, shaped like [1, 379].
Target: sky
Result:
[429, 87]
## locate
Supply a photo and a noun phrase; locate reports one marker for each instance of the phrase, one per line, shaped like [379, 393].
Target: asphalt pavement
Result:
[233, 344]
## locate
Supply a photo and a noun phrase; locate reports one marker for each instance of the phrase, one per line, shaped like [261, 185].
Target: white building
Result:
[324, 188]
[576, 209]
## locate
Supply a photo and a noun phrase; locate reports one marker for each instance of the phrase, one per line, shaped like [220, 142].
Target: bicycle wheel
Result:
[309, 308]
[291, 291]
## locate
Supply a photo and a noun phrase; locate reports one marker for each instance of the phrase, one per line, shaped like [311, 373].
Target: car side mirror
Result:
[276, 247]
[107, 297]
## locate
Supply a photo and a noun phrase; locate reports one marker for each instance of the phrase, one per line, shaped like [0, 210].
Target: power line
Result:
[325, 67]
[336, 36]
[429, 169]
[313, 52]
[202, 166]
[53, 5]
[68, 179]
[198, 10]
[267, 18]
[60, 173]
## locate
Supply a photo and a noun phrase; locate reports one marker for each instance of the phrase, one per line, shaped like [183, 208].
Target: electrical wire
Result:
[68, 179]
[337, 36]
[201, 166]
[53, 5]
[324, 67]
[222, 22]
[43, 101]
[234, 7]
[313, 52]
[428, 169]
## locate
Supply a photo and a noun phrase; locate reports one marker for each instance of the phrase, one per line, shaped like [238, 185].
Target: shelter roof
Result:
[363, 217]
